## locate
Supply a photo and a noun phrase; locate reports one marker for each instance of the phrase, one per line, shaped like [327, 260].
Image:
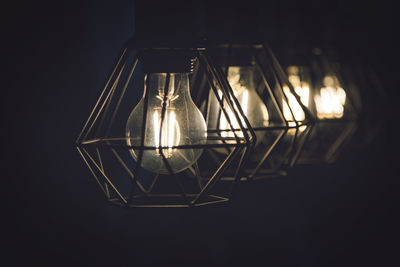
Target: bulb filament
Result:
[330, 101]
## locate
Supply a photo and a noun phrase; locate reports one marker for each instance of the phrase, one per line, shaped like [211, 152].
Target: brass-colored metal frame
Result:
[273, 79]
[316, 149]
[99, 148]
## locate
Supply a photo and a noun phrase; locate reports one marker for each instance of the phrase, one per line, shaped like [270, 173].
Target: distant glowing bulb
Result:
[292, 110]
[241, 81]
[330, 100]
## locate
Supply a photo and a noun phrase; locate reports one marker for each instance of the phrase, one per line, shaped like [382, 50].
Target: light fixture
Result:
[371, 100]
[268, 100]
[146, 142]
[330, 100]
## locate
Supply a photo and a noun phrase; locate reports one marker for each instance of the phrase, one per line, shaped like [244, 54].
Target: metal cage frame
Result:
[278, 76]
[349, 122]
[95, 142]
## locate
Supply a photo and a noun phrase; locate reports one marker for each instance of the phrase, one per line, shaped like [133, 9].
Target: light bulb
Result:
[331, 99]
[292, 110]
[242, 84]
[183, 124]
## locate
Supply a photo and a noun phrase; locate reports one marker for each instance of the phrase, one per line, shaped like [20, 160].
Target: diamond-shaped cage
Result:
[371, 100]
[107, 150]
[278, 117]
[333, 102]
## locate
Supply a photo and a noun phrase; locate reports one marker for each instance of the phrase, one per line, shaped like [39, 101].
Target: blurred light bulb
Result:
[241, 82]
[183, 124]
[292, 110]
[330, 100]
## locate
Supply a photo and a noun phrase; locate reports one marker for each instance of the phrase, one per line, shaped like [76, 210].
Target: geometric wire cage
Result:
[147, 144]
[279, 119]
[361, 78]
[332, 102]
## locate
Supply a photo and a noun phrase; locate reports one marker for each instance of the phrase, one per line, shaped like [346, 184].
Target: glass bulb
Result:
[242, 84]
[292, 110]
[183, 124]
[331, 99]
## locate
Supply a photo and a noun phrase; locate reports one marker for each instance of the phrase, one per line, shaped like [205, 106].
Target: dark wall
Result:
[60, 53]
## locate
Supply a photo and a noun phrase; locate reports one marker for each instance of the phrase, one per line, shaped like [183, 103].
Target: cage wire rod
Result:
[270, 91]
[126, 168]
[220, 110]
[218, 123]
[239, 110]
[206, 96]
[163, 109]
[219, 115]
[239, 170]
[229, 57]
[285, 98]
[291, 145]
[198, 175]
[265, 128]
[292, 152]
[266, 155]
[167, 165]
[106, 101]
[92, 171]
[241, 143]
[109, 101]
[113, 80]
[232, 101]
[106, 177]
[218, 99]
[196, 170]
[190, 169]
[102, 94]
[301, 146]
[249, 147]
[99, 158]
[116, 108]
[155, 179]
[334, 71]
[285, 79]
[102, 167]
[217, 175]
[306, 139]
[143, 135]
[211, 202]
[345, 135]
[215, 90]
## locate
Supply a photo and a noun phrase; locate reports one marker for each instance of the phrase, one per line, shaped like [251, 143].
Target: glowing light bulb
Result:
[170, 132]
[183, 124]
[330, 100]
[292, 110]
[241, 82]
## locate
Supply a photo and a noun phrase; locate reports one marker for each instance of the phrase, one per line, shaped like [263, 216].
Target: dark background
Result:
[59, 53]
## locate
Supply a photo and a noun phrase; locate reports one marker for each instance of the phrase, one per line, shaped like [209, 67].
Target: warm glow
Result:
[330, 101]
[249, 101]
[224, 124]
[292, 107]
[163, 121]
[292, 110]
[170, 133]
